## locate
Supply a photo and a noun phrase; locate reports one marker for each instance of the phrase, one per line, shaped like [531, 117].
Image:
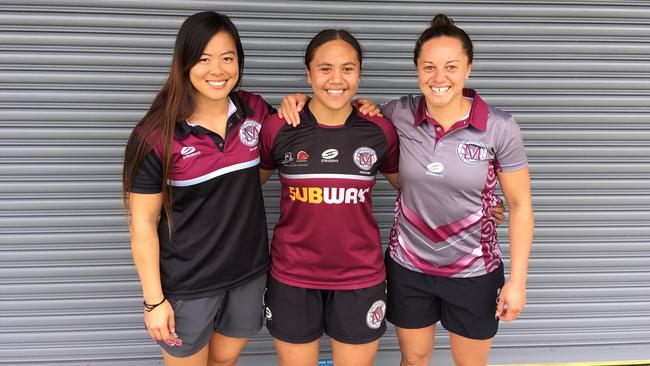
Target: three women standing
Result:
[197, 219]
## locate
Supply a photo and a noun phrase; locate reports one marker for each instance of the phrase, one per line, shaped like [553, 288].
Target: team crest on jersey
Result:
[471, 151]
[249, 132]
[365, 158]
[302, 156]
[288, 157]
[375, 314]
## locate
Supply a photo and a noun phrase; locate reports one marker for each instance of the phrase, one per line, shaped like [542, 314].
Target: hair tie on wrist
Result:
[149, 307]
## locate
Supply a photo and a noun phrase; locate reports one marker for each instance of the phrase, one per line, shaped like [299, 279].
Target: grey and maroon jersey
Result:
[327, 237]
[219, 235]
[443, 214]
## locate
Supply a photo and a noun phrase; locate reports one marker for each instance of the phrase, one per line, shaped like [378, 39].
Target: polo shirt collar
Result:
[477, 114]
[307, 117]
[235, 105]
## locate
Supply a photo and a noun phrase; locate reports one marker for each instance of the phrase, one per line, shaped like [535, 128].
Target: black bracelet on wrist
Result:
[149, 307]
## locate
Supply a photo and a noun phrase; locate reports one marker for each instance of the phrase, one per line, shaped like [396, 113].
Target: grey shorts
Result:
[237, 313]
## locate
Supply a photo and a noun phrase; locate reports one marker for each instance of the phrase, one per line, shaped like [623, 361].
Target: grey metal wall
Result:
[76, 75]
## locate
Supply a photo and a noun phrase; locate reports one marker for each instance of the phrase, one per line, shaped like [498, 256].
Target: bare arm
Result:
[516, 189]
[265, 175]
[393, 179]
[145, 248]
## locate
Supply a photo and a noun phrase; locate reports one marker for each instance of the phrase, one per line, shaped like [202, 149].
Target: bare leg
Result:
[197, 359]
[297, 354]
[469, 352]
[224, 351]
[416, 345]
[345, 354]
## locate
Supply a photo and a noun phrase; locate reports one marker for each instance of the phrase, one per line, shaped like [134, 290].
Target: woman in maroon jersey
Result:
[191, 185]
[327, 273]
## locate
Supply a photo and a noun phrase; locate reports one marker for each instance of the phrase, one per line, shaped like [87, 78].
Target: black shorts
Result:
[464, 306]
[301, 315]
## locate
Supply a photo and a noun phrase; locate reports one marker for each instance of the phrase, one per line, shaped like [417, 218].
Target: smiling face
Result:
[217, 71]
[334, 74]
[442, 70]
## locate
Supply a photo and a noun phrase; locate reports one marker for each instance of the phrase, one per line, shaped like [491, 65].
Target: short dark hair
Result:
[442, 25]
[327, 35]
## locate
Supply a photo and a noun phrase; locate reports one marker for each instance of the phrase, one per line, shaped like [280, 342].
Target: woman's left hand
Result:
[368, 107]
[499, 213]
[511, 301]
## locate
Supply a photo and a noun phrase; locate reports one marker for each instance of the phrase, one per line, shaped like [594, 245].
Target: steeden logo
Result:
[329, 156]
[186, 150]
[189, 151]
[435, 167]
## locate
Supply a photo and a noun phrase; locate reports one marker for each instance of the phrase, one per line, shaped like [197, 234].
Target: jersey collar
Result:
[308, 118]
[477, 115]
[238, 110]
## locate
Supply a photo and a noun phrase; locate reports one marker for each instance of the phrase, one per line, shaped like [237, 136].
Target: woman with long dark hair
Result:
[192, 189]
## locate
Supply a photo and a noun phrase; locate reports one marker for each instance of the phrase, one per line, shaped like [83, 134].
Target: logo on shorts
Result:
[365, 157]
[268, 314]
[176, 342]
[471, 151]
[375, 314]
[249, 132]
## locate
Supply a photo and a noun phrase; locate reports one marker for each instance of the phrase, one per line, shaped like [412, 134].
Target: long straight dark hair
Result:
[175, 101]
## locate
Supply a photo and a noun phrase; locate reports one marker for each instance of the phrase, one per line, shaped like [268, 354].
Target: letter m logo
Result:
[472, 152]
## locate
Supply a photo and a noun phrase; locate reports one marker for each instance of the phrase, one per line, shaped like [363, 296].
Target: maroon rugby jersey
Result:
[327, 237]
[219, 235]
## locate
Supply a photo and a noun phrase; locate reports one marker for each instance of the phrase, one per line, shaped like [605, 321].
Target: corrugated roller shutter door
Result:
[75, 76]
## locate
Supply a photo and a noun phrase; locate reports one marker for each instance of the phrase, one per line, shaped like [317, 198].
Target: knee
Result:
[415, 358]
[222, 360]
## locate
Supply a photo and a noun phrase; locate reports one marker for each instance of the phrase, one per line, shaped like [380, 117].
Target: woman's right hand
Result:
[290, 108]
[160, 322]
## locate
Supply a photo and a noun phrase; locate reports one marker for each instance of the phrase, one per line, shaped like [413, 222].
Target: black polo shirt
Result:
[219, 235]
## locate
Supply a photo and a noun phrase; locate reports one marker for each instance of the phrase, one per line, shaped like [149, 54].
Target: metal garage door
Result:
[76, 75]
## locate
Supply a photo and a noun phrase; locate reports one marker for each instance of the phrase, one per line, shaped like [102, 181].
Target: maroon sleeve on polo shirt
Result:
[510, 154]
[390, 163]
[270, 128]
